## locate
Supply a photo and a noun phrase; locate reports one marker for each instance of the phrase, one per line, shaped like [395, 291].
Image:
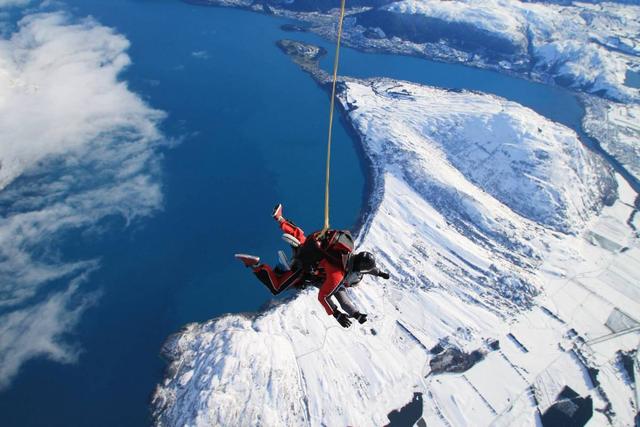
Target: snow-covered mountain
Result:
[586, 46]
[492, 223]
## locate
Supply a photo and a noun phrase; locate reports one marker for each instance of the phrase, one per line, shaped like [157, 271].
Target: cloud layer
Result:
[76, 146]
[12, 3]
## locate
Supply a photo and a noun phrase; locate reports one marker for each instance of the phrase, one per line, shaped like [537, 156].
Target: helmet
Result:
[364, 261]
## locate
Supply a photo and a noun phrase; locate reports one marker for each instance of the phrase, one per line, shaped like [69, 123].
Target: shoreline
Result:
[370, 202]
[307, 57]
[372, 195]
[590, 142]
[526, 73]
[370, 198]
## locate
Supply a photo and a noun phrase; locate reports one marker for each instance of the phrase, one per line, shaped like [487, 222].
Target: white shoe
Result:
[291, 240]
[277, 212]
[248, 260]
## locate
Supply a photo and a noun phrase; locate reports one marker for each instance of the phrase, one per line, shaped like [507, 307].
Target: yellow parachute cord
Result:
[333, 97]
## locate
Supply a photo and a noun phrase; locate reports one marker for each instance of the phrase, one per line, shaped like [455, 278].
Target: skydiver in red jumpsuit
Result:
[336, 268]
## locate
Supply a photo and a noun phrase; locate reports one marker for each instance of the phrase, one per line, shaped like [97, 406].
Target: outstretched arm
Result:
[345, 302]
[377, 272]
[350, 310]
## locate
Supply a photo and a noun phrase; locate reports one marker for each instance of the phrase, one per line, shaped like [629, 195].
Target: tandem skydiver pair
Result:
[323, 259]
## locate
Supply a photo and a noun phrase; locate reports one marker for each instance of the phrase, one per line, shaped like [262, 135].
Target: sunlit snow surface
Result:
[588, 47]
[470, 261]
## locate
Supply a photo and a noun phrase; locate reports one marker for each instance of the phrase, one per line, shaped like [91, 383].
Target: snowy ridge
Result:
[466, 261]
[491, 18]
[531, 165]
[589, 47]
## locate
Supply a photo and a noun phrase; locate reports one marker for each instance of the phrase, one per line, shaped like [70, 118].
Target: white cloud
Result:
[75, 146]
[12, 3]
[36, 330]
[200, 54]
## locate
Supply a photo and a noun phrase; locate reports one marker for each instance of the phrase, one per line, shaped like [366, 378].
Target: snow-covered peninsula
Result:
[505, 238]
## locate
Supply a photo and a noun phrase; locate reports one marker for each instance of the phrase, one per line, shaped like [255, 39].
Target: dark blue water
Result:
[554, 102]
[254, 129]
[255, 134]
[632, 79]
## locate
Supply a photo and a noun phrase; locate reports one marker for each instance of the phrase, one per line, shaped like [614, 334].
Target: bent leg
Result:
[277, 282]
[290, 228]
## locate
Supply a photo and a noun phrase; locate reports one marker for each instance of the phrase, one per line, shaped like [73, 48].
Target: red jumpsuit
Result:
[278, 282]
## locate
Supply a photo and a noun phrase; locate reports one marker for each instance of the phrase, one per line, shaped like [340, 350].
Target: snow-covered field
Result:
[490, 219]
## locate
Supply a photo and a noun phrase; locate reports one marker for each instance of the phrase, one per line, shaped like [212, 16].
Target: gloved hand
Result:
[360, 317]
[342, 318]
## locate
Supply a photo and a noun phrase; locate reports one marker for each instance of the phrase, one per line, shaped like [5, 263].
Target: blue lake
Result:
[632, 79]
[254, 129]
